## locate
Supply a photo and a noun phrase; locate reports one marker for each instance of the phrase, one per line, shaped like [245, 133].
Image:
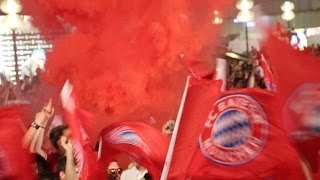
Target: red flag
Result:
[145, 144]
[233, 137]
[15, 162]
[298, 79]
[85, 157]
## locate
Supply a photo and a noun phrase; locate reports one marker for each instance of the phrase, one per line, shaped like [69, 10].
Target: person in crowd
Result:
[36, 78]
[253, 52]
[48, 176]
[59, 138]
[131, 173]
[113, 171]
[135, 172]
[33, 139]
[26, 84]
[256, 78]
[66, 166]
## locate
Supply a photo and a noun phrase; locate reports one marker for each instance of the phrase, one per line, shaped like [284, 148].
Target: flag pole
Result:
[221, 72]
[167, 163]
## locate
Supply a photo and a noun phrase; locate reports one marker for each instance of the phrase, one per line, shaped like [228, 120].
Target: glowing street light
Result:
[288, 15]
[287, 7]
[245, 16]
[13, 21]
[11, 6]
[217, 19]
[244, 4]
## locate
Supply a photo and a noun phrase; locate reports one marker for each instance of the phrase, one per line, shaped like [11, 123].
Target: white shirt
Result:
[133, 174]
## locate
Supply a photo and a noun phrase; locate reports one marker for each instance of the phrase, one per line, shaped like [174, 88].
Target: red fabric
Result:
[15, 163]
[277, 159]
[198, 68]
[298, 78]
[145, 144]
[85, 156]
[200, 97]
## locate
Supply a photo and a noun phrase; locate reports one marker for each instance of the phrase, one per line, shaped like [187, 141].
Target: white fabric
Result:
[133, 174]
[221, 70]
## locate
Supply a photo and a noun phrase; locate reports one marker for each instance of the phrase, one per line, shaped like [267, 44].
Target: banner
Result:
[86, 158]
[233, 135]
[298, 81]
[143, 143]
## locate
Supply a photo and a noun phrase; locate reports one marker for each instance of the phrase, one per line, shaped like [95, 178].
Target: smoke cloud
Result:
[126, 58]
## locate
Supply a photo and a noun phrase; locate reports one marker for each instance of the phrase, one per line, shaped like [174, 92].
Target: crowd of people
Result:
[23, 92]
[313, 49]
[59, 162]
[242, 74]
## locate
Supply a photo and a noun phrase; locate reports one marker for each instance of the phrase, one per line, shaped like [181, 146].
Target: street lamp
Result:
[13, 21]
[11, 6]
[245, 15]
[217, 19]
[288, 15]
[244, 4]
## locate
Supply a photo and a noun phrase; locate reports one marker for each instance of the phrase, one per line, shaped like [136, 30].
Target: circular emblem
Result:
[235, 130]
[302, 109]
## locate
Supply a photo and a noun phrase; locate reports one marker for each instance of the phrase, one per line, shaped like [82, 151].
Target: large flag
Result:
[15, 162]
[143, 143]
[86, 158]
[232, 135]
[298, 81]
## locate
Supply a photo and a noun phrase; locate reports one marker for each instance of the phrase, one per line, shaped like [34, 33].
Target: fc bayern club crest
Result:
[303, 108]
[236, 130]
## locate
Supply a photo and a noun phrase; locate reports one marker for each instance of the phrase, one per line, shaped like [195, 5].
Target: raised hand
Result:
[46, 113]
[49, 109]
[67, 145]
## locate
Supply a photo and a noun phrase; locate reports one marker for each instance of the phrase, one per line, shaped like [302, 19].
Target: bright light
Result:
[217, 19]
[13, 21]
[245, 16]
[288, 15]
[287, 6]
[299, 39]
[251, 24]
[10, 6]
[244, 4]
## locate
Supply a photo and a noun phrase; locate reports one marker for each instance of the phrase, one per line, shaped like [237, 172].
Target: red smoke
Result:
[124, 57]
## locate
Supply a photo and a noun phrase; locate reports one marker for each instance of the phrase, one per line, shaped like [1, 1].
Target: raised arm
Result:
[34, 136]
[70, 171]
[49, 110]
